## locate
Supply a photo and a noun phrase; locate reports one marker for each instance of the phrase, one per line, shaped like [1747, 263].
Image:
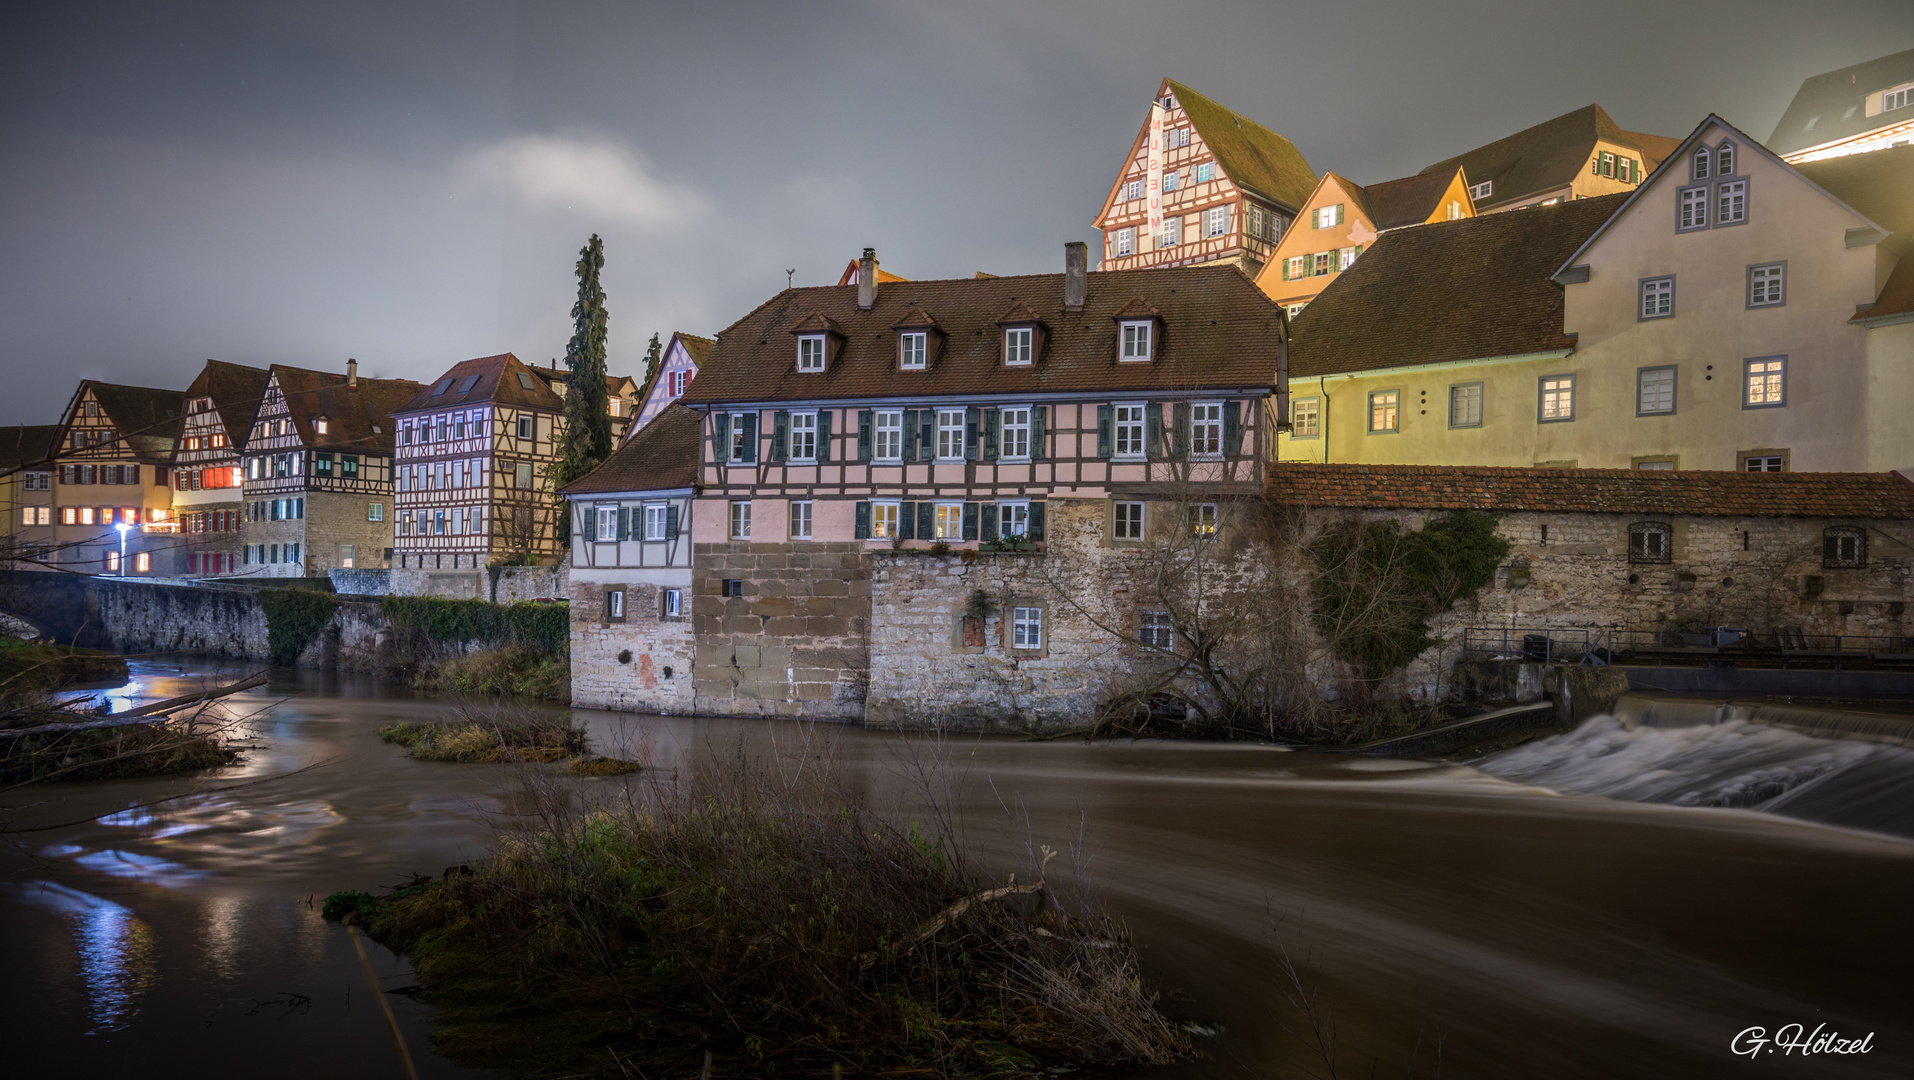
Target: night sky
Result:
[408, 183]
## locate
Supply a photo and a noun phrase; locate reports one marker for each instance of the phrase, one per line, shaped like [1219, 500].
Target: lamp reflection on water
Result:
[116, 952]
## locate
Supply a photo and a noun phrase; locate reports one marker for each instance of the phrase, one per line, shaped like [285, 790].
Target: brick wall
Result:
[796, 643]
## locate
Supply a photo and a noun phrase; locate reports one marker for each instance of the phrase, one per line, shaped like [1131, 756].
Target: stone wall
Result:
[511, 584]
[358, 582]
[796, 643]
[656, 674]
[498, 584]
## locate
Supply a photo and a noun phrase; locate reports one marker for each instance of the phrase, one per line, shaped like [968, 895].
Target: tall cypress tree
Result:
[654, 355]
[587, 438]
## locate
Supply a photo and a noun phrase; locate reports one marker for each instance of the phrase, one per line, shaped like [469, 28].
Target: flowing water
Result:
[1618, 901]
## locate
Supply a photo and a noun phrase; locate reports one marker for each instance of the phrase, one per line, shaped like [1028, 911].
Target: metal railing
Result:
[1549, 645]
[1558, 645]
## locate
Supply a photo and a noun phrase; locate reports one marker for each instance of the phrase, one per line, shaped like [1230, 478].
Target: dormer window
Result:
[1017, 351]
[1482, 190]
[811, 352]
[1702, 160]
[1895, 99]
[1136, 341]
[911, 350]
[1725, 159]
[321, 426]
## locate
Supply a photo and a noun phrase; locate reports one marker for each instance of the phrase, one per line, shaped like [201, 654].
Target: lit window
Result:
[811, 353]
[1465, 405]
[1655, 391]
[1015, 443]
[1731, 202]
[741, 520]
[1017, 345]
[1297, 266]
[142, 562]
[1382, 410]
[1766, 285]
[911, 348]
[801, 519]
[1127, 521]
[1154, 630]
[1026, 628]
[1694, 208]
[950, 434]
[1558, 398]
[321, 425]
[950, 521]
[883, 521]
[1328, 216]
[1206, 429]
[1305, 418]
[1126, 241]
[803, 436]
[1130, 429]
[1203, 521]
[1766, 381]
[1216, 221]
[1346, 257]
[1658, 298]
[889, 433]
[1136, 341]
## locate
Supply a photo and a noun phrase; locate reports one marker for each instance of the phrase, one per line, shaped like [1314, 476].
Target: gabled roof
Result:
[493, 379]
[1411, 200]
[1252, 156]
[1836, 103]
[1593, 491]
[1454, 290]
[697, 348]
[147, 418]
[661, 456]
[1880, 185]
[1547, 156]
[358, 418]
[1219, 331]
[235, 390]
[27, 445]
[849, 277]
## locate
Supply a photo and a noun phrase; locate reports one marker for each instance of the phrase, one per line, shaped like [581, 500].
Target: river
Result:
[1596, 905]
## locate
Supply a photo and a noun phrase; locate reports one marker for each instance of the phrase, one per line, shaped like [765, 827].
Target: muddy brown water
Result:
[1473, 915]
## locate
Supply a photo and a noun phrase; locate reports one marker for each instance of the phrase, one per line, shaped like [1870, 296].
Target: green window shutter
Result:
[1036, 521]
[907, 520]
[1153, 429]
[973, 429]
[1180, 415]
[864, 422]
[671, 521]
[721, 438]
[927, 435]
[1036, 432]
[1233, 428]
[926, 521]
[993, 424]
[990, 521]
[824, 435]
[863, 521]
[750, 427]
[624, 523]
[970, 521]
[1106, 420]
[780, 435]
[910, 435]
[1285, 269]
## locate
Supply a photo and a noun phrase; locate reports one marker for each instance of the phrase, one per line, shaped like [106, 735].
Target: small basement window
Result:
[1650, 542]
[1843, 546]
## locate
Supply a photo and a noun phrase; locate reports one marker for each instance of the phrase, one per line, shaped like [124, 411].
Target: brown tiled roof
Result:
[358, 419]
[1393, 204]
[1453, 290]
[1835, 102]
[1655, 148]
[695, 347]
[661, 456]
[1137, 308]
[915, 318]
[148, 418]
[235, 390]
[1594, 491]
[1542, 158]
[1219, 331]
[498, 383]
[1252, 156]
[27, 445]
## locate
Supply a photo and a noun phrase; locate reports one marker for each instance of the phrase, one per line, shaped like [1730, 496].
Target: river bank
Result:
[1532, 933]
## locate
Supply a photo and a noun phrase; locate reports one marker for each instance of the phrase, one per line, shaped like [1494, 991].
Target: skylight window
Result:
[466, 386]
[442, 388]
[525, 380]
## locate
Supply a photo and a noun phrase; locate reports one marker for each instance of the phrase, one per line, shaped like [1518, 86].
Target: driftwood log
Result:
[143, 714]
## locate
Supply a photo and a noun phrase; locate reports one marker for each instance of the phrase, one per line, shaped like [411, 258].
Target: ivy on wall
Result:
[294, 619]
[540, 627]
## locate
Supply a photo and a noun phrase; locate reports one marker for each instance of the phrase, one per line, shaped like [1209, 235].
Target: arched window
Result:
[1843, 546]
[1650, 542]
[1725, 159]
[1701, 163]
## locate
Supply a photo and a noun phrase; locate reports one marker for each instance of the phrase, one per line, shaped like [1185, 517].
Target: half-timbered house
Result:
[952, 416]
[318, 472]
[209, 494]
[677, 366]
[623, 397]
[115, 446]
[474, 449]
[630, 578]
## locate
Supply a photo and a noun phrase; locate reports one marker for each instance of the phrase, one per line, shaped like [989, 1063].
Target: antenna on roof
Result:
[787, 277]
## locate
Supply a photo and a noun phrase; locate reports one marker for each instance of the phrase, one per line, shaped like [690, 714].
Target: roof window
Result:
[466, 386]
[525, 380]
[441, 388]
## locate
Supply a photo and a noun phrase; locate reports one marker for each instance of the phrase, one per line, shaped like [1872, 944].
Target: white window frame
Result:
[1216, 222]
[1470, 395]
[1125, 243]
[1206, 172]
[947, 522]
[950, 435]
[1006, 510]
[1328, 217]
[1129, 520]
[1551, 392]
[1129, 427]
[1014, 418]
[913, 349]
[656, 515]
[1172, 234]
[1026, 627]
[809, 434]
[1695, 205]
[1653, 386]
[1655, 298]
[1019, 344]
[1204, 520]
[810, 352]
[1482, 190]
[880, 528]
[740, 519]
[1731, 203]
[1136, 340]
[676, 383]
[1767, 278]
[1385, 412]
[614, 604]
[671, 603]
[800, 519]
[892, 432]
[1206, 425]
[1310, 407]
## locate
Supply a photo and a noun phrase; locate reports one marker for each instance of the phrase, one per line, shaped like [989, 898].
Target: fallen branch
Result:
[144, 713]
[950, 914]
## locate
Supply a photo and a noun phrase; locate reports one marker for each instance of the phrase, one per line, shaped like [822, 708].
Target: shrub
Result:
[534, 625]
[506, 735]
[509, 670]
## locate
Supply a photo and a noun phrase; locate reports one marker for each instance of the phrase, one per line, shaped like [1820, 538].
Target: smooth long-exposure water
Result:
[1481, 915]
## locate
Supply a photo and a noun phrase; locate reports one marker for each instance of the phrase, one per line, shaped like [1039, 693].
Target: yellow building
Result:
[1341, 218]
[1578, 155]
[111, 481]
[26, 489]
[1734, 312]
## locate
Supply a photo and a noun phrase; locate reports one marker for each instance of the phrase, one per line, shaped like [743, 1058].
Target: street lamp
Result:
[122, 527]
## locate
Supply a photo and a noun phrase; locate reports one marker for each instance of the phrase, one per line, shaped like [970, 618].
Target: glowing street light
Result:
[122, 527]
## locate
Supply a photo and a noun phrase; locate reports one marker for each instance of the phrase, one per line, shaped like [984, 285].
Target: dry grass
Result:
[503, 735]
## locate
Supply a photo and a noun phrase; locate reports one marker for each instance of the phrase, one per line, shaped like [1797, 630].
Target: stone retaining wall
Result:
[795, 643]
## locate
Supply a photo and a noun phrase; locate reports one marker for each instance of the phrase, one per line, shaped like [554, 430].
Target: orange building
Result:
[1342, 217]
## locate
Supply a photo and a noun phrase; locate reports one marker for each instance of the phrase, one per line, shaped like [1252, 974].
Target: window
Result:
[1013, 520]
[1382, 410]
[346, 554]
[741, 519]
[1206, 429]
[803, 437]
[811, 353]
[1203, 521]
[1127, 522]
[1654, 391]
[1169, 180]
[950, 521]
[1305, 418]
[615, 605]
[142, 562]
[1465, 405]
[321, 426]
[1655, 464]
[1649, 542]
[1558, 398]
[671, 603]
[523, 476]
[1296, 267]
[1026, 628]
[1608, 163]
[1896, 99]
[1482, 190]
[1015, 442]
[1205, 172]
[69, 515]
[744, 439]
[1175, 137]
[657, 521]
[1153, 629]
[1725, 160]
[950, 434]
[1126, 241]
[1731, 202]
[524, 427]
[883, 521]
[1294, 310]
[911, 350]
[1694, 208]
[889, 431]
[1346, 257]
[1764, 462]
[1841, 546]
[678, 381]
[1216, 221]
[1766, 382]
[375, 511]
[38, 481]
[1658, 298]
[1172, 233]
[1325, 262]
[801, 519]
[1328, 217]
[1702, 171]
[1017, 345]
[1136, 341]
[1767, 285]
[1132, 189]
[1130, 430]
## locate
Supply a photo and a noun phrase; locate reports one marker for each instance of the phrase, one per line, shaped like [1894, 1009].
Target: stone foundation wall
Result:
[451, 584]
[361, 582]
[656, 676]
[796, 643]
[511, 584]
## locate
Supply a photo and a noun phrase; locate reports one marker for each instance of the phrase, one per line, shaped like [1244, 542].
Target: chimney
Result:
[867, 280]
[1075, 255]
[352, 374]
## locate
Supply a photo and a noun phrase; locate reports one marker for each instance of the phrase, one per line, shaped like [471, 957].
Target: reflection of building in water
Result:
[220, 935]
